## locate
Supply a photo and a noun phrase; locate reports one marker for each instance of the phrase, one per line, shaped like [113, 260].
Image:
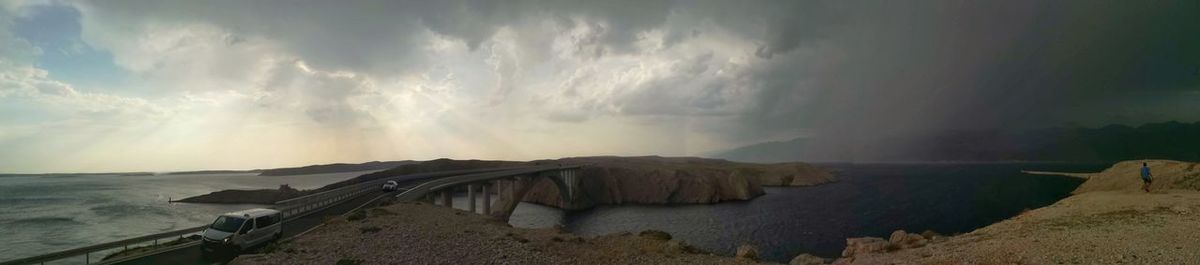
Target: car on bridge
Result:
[390, 185]
[238, 231]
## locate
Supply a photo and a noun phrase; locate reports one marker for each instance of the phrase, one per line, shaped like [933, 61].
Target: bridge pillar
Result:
[471, 197]
[487, 199]
[446, 198]
[506, 203]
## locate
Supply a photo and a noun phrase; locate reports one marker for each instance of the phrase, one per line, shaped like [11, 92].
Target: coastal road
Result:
[192, 255]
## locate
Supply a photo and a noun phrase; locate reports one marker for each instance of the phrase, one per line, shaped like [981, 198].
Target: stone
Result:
[806, 259]
[902, 240]
[862, 245]
[747, 252]
[898, 237]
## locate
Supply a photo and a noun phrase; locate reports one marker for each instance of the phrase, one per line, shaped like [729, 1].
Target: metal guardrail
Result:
[423, 189]
[88, 250]
[290, 209]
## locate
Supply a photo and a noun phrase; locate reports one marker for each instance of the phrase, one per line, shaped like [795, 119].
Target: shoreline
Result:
[1064, 174]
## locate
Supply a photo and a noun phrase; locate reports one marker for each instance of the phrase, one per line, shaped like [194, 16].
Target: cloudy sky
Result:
[175, 85]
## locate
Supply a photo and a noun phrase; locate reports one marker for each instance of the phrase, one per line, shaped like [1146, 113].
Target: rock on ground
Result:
[806, 259]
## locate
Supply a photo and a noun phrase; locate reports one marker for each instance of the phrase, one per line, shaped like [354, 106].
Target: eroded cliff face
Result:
[659, 180]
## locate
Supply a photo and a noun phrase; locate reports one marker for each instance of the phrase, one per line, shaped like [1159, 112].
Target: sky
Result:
[91, 86]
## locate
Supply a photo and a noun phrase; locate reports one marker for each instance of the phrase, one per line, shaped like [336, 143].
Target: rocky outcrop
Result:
[860, 245]
[675, 180]
[897, 241]
[903, 240]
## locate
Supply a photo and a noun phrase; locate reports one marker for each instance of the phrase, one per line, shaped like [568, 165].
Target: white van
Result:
[242, 230]
[390, 185]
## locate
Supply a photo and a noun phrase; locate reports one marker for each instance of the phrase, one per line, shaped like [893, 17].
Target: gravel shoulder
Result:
[420, 233]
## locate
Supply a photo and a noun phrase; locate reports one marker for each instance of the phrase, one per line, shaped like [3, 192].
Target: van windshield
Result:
[227, 224]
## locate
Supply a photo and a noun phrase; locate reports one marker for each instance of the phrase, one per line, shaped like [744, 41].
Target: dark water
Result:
[42, 214]
[868, 200]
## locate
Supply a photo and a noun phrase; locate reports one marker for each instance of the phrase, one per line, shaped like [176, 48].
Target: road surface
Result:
[192, 255]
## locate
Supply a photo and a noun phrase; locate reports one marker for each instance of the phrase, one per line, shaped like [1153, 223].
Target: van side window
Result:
[264, 221]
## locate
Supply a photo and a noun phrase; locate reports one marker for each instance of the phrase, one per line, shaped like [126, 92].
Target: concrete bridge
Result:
[509, 186]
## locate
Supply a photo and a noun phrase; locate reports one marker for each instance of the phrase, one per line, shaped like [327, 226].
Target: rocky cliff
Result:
[671, 180]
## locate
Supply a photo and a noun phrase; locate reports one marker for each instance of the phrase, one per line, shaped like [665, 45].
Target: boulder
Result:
[902, 240]
[806, 259]
[861, 245]
[747, 252]
[898, 237]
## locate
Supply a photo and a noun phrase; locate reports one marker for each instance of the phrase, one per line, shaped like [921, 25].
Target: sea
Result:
[47, 213]
[50, 213]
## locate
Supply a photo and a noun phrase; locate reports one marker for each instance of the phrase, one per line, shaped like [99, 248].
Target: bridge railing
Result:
[423, 189]
[290, 209]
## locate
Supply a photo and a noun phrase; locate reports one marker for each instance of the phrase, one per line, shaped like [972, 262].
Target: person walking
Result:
[1146, 177]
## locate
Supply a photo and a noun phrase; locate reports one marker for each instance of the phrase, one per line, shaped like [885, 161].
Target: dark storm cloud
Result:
[844, 70]
[896, 68]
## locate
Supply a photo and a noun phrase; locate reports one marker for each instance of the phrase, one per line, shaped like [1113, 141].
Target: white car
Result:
[241, 230]
[391, 185]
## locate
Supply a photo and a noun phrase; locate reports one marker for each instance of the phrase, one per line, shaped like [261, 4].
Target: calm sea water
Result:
[868, 200]
[43, 214]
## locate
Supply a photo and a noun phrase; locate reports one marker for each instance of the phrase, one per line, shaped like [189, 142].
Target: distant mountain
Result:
[1167, 140]
[768, 152]
[335, 168]
[201, 172]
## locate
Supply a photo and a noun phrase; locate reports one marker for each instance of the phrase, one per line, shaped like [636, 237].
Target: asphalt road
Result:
[193, 255]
